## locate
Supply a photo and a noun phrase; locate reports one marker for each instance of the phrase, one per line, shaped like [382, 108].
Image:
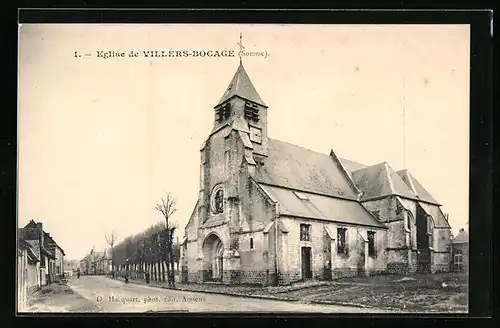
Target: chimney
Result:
[39, 227]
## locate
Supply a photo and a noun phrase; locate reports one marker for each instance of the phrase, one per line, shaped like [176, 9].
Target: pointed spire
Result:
[242, 87]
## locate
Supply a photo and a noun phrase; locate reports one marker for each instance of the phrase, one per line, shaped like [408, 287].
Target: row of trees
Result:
[151, 252]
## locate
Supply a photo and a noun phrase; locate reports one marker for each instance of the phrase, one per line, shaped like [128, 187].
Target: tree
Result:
[167, 207]
[110, 240]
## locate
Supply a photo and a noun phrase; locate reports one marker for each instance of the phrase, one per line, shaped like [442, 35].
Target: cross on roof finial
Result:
[241, 46]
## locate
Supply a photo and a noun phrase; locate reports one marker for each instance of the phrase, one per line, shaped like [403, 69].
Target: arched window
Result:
[409, 222]
[217, 201]
[430, 231]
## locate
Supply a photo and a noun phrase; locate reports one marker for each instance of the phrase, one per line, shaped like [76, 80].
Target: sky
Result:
[101, 140]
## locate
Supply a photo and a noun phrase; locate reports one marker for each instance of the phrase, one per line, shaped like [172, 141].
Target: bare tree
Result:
[167, 207]
[110, 240]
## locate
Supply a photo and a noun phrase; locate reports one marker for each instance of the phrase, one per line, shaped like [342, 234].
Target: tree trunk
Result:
[173, 271]
[171, 264]
[162, 271]
[168, 269]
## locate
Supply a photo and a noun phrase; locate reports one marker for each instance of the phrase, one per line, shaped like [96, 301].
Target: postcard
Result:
[243, 168]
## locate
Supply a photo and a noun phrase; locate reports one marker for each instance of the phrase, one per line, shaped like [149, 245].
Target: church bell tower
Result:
[243, 108]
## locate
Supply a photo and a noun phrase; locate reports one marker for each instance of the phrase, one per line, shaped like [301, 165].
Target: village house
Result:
[87, 264]
[460, 251]
[96, 263]
[28, 268]
[34, 235]
[103, 262]
[58, 254]
[270, 212]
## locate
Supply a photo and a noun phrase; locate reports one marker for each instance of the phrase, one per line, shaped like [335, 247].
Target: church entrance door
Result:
[306, 263]
[213, 251]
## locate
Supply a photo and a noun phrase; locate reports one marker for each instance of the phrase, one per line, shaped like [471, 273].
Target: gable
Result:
[295, 167]
[194, 213]
[437, 215]
[418, 189]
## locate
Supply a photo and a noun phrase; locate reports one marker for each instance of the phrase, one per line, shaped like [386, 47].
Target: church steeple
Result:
[242, 109]
[241, 86]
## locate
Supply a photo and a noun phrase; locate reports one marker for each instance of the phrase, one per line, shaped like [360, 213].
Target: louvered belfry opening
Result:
[252, 111]
[223, 112]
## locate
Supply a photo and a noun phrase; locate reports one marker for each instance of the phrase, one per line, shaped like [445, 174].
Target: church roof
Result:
[295, 167]
[314, 206]
[417, 188]
[241, 86]
[380, 180]
[352, 165]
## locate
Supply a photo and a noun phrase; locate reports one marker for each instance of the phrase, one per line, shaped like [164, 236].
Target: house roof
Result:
[299, 168]
[241, 86]
[314, 206]
[380, 180]
[416, 187]
[22, 243]
[32, 257]
[46, 252]
[461, 238]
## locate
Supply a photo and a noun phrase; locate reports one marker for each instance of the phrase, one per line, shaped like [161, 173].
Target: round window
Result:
[217, 200]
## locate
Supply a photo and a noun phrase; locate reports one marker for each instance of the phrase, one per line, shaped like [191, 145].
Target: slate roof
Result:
[299, 168]
[241, 86]
[380, 180]
[352, 165]
[319, 207]
[416, 187]
[461, 238]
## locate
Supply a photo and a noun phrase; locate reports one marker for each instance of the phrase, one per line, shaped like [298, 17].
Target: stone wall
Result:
[342, 265]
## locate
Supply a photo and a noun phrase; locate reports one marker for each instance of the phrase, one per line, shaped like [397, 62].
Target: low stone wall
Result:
[398, 268]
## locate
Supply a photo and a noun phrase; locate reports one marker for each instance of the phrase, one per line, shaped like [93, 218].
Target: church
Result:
[270, 212]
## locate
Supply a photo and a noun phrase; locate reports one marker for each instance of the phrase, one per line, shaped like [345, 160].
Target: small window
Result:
[301, 195]
[305, 232]
[342, 241]
[223, 112]
[371, 244]
[458, 261]
[251, 243]
[252, 111]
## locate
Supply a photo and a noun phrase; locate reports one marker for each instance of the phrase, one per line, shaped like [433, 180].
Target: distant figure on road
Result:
[78, 273]
[126, 278]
